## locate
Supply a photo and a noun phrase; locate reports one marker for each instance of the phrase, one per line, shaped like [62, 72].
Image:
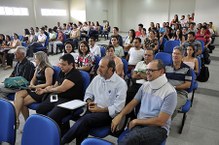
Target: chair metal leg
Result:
[193, 94]
[183, 122]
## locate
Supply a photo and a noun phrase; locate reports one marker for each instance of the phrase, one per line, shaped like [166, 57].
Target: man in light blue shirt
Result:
[106, 97]
[157, 99]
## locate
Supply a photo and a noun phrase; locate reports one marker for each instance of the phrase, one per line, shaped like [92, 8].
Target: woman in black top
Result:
[42, 78]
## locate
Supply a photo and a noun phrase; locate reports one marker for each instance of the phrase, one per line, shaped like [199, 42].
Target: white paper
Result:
[74, 104]
[141, 81]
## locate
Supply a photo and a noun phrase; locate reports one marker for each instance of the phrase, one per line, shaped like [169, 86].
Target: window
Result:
[53, 12]
[13, 11]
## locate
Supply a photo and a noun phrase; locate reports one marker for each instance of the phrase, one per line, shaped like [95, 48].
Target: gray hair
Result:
[22, 50]
[178, 48]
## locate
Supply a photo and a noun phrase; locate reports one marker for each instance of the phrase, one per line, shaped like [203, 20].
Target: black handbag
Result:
[204, 74]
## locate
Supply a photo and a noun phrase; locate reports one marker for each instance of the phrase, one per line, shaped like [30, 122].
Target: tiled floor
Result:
[202, 124]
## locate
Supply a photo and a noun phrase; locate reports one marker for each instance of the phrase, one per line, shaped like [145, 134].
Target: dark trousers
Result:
[10, 58]
[144, 135]
[132, 90]
[54, 112]
[31, 48]
[82, 126]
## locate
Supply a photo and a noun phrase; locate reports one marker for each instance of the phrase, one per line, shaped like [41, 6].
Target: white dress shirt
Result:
[110, 93]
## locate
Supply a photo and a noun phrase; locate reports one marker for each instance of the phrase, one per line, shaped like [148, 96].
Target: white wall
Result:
[128, 14]
[78, 10]
[207, 11]
[97, 10]
[142, 11]
[125, 14]
[10, 24]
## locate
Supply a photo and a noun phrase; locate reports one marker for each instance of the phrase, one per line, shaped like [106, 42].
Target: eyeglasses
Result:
[151, 70]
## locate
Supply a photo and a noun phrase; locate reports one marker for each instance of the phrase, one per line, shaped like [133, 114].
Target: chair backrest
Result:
[202, 45]
[40, 130]
[46, 42]
[189, 90]
[7, 122]
[125, 66]
[56, 73]
[165, 57]
[169, 45]
[86, 79]
[95, 141]
[199, 64]
[102, 51]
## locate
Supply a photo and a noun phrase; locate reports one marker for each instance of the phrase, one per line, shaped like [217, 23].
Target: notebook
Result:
[74, 104]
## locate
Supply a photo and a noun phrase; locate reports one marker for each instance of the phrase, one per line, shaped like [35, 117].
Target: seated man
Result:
[68, 87]
[157, 99]
[139, 75]
[119, 37]
[179, 76]
[23, 68]
[135, 54]
[191, 41]
[94, 48]
[105, 96]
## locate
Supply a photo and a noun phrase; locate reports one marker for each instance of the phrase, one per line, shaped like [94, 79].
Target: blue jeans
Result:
[144, 135]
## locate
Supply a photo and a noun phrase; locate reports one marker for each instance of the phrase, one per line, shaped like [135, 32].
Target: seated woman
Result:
[118, 49]
[178, 36]
[106, 30]
[190, 59]
[85, 60]
[10, 54]
[129, 39]
[151, 41]
[42, 78]
[70, 49]
[4, 49]
[110, 51]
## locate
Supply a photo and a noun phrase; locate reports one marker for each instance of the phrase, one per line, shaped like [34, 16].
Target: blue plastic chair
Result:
[125, 66]
[100, 132]
[7, 122]
[126, 131]
[95, 141]
[42, 48]
[194, 86]
[86, 79]
[40, 130]
[165, 57]
[102, 51]
[186, 107]
[169, 45]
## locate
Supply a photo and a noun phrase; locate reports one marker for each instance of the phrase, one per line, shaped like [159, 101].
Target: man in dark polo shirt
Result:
[68, 87]
[23, 68]
[179, 75]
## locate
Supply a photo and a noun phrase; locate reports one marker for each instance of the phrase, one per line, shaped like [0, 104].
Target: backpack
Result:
[17, 82]
[204, 74]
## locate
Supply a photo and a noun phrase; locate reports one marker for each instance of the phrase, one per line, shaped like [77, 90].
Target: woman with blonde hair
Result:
[42, 78]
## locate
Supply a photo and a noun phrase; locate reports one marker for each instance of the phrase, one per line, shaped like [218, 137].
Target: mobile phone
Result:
[33, 90]
[53, 98]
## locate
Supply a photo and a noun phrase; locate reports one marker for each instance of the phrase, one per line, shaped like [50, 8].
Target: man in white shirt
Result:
[136, 53]
[105, 96]
[94, 48]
